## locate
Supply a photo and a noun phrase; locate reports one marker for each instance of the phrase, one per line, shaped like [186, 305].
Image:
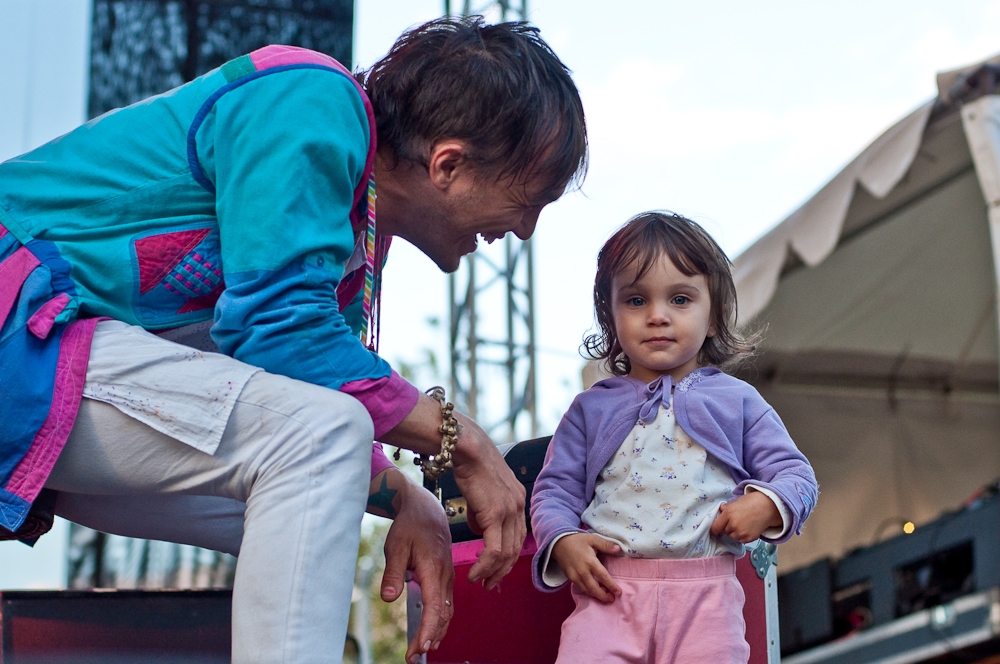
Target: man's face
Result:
[477, 209]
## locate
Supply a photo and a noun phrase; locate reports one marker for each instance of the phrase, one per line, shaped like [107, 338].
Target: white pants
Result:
[285, 490]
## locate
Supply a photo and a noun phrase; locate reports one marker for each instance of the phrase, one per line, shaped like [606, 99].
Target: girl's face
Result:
[661, 319]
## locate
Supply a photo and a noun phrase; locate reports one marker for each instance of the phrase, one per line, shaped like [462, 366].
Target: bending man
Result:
[244, 201]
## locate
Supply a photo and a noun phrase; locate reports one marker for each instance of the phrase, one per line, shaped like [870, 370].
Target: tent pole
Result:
[981, 121]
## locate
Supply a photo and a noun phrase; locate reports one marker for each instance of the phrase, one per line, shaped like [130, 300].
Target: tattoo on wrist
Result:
[380, 502]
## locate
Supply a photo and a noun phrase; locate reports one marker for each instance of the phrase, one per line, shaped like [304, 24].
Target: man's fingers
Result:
[514, 532]
[394, 575]
[436, 576]
[512, 537]
[491, 567]
[502, 542]
[490, 558]
[470, 518]
[438, 610]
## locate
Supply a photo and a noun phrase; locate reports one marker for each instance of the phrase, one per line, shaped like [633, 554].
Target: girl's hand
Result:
[577, 556]
[747, 517]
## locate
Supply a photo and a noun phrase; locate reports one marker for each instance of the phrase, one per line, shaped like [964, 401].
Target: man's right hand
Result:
[495, 502]
[494, 497]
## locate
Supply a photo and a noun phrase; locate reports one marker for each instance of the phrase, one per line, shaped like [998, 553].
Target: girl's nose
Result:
[658, 315]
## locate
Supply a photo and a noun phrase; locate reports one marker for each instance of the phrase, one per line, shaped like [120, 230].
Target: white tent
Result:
[879, 296]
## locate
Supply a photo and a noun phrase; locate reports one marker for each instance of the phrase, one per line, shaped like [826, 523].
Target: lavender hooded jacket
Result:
[723, 414]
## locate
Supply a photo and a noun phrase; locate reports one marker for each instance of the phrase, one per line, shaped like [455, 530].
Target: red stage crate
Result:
[115, 626]
[517, 624]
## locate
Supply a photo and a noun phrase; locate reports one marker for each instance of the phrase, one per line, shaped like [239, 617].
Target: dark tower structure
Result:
[492, 315]
[144, 47]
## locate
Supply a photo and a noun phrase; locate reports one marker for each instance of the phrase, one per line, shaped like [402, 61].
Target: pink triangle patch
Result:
[159, 254]
[206, 301]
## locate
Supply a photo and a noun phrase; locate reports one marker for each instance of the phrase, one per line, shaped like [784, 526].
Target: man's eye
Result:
[681, 300]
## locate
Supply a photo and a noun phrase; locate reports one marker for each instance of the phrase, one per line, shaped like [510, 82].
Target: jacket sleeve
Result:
[558, 498]
[774, 462]
[285, 153]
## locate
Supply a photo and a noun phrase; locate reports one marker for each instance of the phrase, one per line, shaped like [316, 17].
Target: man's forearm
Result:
[384, 493]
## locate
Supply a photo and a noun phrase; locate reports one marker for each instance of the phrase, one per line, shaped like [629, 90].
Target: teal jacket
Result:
[237, 198]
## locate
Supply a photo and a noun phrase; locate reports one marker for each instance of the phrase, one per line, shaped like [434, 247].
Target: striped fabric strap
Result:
[373, 278]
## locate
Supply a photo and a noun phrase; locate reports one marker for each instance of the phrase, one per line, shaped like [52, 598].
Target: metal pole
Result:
[472, 340]
[472, 352]
[529, 389]
[511, 357]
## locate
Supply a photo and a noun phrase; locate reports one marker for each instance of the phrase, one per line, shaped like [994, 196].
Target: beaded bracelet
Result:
[435, 465]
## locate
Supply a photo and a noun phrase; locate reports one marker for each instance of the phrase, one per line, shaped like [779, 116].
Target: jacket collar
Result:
[655, 393]
[658, 392]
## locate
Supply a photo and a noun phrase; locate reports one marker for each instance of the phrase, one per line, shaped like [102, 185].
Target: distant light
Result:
[908, 527]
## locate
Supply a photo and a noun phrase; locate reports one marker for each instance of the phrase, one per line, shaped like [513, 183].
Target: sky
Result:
[730, 113]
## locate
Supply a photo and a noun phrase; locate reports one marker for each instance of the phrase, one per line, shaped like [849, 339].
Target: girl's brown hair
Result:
[641, 242]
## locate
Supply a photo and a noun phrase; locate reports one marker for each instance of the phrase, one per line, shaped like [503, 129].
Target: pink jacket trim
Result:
[13, 271]
[278, 55]
[41, 322]
[388, 400]
[379, 460]
[71, 372]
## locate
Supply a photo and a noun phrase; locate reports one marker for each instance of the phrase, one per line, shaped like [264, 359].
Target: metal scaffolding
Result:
[492, 317]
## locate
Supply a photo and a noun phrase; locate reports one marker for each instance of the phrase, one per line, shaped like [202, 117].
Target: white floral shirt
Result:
[659, 494]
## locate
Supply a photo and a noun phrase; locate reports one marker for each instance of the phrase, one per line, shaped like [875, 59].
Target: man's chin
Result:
[452, 260]
[448, 264]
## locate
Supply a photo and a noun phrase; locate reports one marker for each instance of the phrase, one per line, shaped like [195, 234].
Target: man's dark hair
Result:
[642, 241]
[499, 88]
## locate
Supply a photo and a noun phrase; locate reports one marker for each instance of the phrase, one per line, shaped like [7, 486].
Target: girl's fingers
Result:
[606, 546]
[721, 525]
[595, 590]
[603, 577]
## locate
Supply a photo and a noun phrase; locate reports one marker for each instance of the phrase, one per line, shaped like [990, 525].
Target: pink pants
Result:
[670, 611]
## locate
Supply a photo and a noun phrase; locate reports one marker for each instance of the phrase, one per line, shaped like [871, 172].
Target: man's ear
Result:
[446, 162]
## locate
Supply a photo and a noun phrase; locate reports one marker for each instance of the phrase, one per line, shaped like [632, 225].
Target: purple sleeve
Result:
[558, 498]
[379, 460]
[388, 400]
[772, 459]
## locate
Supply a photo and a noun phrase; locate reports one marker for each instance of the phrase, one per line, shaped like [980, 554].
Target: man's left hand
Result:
[419, 540]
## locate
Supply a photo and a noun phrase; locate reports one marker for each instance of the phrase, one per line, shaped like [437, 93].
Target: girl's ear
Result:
[711, 331]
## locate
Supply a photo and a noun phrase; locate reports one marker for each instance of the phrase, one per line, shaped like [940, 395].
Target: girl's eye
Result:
[681, 300]
[636, 301]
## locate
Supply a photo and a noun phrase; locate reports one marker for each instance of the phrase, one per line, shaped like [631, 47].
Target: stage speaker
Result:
[954, 555]
[804, 607]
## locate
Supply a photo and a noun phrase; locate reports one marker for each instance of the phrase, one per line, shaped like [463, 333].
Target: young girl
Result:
[657, 477]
